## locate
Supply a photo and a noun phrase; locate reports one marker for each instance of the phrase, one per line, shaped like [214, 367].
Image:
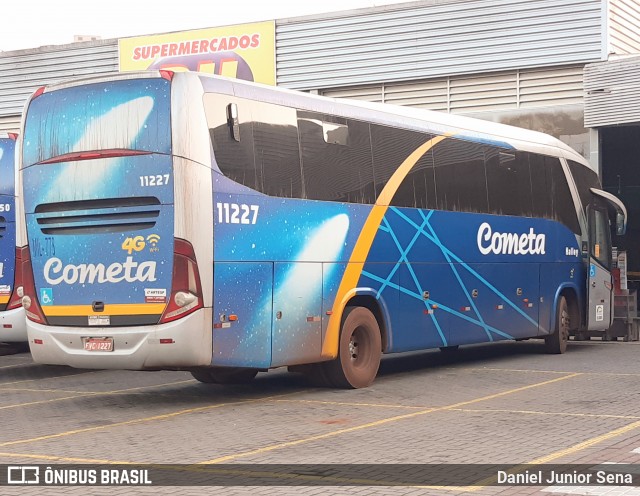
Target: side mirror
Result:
[621, 225]
[233, 122]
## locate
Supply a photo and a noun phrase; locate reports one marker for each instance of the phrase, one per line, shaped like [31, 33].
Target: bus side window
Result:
[277, 152]
[585, 179]
[391, 147]
[336, 158]
[599, 234]
[509, 183]
[461, 180]
[541, 184]
[234, 158]
[564, 208]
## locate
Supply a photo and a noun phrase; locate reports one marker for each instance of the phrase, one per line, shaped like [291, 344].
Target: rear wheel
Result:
[556, 343]
[359, 352]
[224, 375]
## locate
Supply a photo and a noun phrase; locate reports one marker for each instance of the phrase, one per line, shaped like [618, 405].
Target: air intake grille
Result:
[98, 216]
[3, 226]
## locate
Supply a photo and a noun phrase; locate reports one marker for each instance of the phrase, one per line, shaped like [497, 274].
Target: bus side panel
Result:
[245, 290]
[7, 250]
[502, 299]
[7, 221]
[553, 277]
[297, 308]
[421, 323]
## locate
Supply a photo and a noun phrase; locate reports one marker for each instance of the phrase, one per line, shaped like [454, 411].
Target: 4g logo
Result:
[137, 243]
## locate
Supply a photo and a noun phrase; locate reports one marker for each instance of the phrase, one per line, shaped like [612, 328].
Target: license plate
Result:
[98, 344]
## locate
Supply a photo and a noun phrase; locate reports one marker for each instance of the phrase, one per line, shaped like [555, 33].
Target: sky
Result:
[33, 23]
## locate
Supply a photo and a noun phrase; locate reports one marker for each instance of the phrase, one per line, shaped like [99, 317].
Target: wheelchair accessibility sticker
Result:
[46, 296]
[592, 271]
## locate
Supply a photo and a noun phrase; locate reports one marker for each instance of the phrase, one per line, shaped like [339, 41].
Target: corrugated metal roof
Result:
[23, 71]
[436, 38]
[624, 25]
[611, 93]
[10, 123]
[494, 91]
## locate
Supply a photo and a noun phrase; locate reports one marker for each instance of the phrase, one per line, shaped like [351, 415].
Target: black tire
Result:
[556, 343]
[224, 375]
[359, 351]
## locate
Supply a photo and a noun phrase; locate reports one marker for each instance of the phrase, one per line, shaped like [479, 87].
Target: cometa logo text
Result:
[55, 272]
[509, 243]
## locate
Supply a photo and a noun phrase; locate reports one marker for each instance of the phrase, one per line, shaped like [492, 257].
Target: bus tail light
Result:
[186, 291]
[38, 92]
[165, 74]
[29, 298]
[15, 301]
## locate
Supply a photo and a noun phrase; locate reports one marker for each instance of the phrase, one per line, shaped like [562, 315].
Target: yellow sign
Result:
[243, 51]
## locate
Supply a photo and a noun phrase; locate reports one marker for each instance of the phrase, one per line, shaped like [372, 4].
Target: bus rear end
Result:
[12, 320]
[107, 283]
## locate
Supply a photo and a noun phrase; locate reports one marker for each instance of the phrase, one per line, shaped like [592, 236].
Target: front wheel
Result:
[556, 343]
[359, 352]
[224, 375]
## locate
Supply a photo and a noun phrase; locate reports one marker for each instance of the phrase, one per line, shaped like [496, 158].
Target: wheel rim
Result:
[353, 349]
[565, 324]
[358, 347]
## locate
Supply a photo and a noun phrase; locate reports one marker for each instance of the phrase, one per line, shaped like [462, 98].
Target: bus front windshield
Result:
[130, 114]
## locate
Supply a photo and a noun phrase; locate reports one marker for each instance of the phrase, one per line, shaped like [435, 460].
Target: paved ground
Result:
[506, 403]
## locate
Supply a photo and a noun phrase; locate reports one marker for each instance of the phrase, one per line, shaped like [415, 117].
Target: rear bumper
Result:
[13, 326]
[134, 348]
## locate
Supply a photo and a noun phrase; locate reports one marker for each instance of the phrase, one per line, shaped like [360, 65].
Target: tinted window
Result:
[132, 114]
[461, 181]
[336, 158]
[391, 147]
[564, 208]
[418, 189]
[235, 158]
[276, 150]
[585, 179]
[259, 149]
[541, 184]
[509, 183]
[599, 232]
[7, 157]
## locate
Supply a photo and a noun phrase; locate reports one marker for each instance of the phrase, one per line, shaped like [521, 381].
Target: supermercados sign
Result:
[244, 51]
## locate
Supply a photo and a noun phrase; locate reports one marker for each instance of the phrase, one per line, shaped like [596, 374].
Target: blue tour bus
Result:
[13, 327]
[187, 221]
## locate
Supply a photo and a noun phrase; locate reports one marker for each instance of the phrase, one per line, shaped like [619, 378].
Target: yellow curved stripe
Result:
[363, 245]
[122, 309]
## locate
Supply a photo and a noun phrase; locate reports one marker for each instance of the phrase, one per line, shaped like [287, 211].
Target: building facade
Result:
[563, 67]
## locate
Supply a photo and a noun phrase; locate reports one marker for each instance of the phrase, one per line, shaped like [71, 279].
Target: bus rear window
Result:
[7, 146]
[131, 114]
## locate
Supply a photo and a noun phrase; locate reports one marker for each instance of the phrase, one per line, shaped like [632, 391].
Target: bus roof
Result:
[399, 116]
[383, 113]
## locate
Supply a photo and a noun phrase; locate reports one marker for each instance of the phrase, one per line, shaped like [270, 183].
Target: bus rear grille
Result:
[3, 226]
[98, 216]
